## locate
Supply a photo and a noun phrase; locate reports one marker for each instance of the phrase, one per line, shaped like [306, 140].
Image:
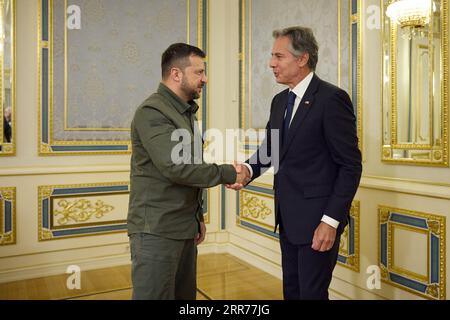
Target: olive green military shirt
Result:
[166, 196]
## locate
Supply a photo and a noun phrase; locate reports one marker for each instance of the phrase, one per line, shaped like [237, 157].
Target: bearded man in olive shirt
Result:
[165, 219]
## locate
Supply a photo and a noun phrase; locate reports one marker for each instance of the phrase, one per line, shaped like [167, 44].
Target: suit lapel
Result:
[279, 114]
[306, 104]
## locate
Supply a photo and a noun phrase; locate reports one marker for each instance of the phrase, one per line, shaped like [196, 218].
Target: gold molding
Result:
[9, 149]
[353, 261]
[339, 44]
[438, 151]
[434, 290]
[45, 192]
[200, 12]
[391, 257]
[8, 194]
[45, 149]
[188, 21]
[359, 80]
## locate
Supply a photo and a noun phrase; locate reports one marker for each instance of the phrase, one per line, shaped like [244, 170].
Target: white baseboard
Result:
[257, 261]
[60, 268]
[344, 290]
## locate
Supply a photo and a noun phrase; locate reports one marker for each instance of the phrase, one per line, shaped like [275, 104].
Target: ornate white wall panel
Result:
[80, 210]
[412, 251]
[93, 78]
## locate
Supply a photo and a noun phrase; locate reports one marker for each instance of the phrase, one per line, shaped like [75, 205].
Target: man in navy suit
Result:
[319, 165]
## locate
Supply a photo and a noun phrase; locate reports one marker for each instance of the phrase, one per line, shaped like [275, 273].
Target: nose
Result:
[205, 79]
[272, 63]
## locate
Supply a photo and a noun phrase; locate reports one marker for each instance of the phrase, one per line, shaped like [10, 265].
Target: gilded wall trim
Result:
[7, 216]
[8, 148]
[349, 254]
[435, 153]
[358, 95]
[254, 211]
[48, 143]
[430, 284]
[68, 211]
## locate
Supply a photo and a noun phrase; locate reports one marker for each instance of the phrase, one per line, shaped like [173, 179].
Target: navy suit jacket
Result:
[319, 165]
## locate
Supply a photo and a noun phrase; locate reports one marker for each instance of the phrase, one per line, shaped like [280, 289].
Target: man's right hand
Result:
[242, 178]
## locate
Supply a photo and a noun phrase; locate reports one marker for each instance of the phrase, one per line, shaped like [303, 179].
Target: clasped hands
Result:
[242, 177]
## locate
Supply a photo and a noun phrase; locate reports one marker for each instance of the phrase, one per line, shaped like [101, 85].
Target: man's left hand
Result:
[200, 236]
[324, 237]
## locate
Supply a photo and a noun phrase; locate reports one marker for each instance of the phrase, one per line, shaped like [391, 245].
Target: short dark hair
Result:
[178, 55]
[302, 40]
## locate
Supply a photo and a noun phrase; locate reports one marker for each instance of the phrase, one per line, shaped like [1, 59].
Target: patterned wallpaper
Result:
[113, 62]
[268, 15]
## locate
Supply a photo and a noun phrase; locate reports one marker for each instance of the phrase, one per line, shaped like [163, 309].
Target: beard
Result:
[189, 91]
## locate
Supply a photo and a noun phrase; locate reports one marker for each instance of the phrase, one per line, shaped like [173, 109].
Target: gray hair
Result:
[302, 40]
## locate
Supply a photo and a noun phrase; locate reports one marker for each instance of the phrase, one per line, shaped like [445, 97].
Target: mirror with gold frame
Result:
[415, 82]
[7, 77]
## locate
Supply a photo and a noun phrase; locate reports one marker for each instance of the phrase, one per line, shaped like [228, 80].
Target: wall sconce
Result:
[411, 15]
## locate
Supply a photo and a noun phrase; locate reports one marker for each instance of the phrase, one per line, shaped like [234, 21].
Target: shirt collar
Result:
[177, 102]
[301, 87]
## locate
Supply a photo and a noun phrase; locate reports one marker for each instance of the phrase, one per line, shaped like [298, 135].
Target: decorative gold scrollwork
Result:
[81, 210]
[351, 260]
[385, 215]
[7, 194]
[45, 192]
[254, 207]
[343, 236]
[434, 226]
[437, 155]
[6, 238]
[46, 234]
[433, 290]
[384, 272]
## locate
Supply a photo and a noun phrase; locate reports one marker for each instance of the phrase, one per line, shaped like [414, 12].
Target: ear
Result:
[303, 60]
[176, 74]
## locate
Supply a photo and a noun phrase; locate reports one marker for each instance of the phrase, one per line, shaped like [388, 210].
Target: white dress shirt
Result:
[299, 91]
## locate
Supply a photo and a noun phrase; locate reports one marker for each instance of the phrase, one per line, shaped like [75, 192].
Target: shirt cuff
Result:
[249, 167]
[330, 221]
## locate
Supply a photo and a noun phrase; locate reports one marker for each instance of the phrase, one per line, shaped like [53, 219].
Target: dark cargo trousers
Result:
[163, 269]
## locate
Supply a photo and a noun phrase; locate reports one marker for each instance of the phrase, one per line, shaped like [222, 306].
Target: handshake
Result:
[243, 177]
